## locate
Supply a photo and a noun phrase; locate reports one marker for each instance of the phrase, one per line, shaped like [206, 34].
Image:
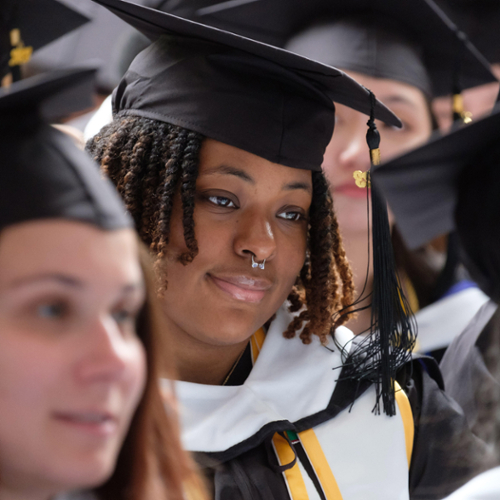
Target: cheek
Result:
[28, 371]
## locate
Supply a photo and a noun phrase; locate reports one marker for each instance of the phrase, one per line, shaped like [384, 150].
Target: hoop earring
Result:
[260, 265]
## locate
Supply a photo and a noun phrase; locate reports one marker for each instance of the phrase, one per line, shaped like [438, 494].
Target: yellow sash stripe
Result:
[256, 343]
[407, 417]
[294, 479]
[322, 468]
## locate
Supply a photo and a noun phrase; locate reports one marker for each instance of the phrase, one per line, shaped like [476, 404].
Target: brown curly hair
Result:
[149, 161]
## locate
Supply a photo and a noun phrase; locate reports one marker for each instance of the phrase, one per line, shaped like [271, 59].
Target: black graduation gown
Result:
[468, 366]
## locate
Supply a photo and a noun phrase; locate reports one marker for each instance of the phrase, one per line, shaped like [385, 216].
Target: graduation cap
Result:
[253, 96]
[43, 174]
[421, 185]
[27, 25]
[480, 19]
[411, 41]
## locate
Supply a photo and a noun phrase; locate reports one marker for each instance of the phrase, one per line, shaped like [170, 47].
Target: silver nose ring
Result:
[260, 265]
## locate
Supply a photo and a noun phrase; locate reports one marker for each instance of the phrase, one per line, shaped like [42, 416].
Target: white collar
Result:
[440, 322]
[288, 382]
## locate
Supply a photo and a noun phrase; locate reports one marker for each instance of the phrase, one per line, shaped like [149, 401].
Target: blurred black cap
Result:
[43, 174]
[409, 40]
[28, 25]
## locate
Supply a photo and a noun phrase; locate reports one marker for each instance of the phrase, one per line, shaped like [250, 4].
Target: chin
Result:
[85, 473]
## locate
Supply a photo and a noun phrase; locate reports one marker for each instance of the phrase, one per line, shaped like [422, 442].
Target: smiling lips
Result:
[351, 190]
[98, 423]
[244, 288]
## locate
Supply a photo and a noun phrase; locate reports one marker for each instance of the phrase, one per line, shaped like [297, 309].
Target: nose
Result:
[105, 353]
[347, 151]
[255, 236]
[355, 154]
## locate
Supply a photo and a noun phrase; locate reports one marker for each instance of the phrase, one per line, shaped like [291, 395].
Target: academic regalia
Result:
[234, 428]
[486, 486]
[465, 368]
[452, 183]
[195, 77]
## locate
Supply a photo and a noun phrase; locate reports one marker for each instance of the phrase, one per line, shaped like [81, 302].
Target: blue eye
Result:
[51, 311]
[123, 316]
[221, 201]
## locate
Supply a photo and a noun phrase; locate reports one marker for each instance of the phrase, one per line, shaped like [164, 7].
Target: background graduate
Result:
[454, 183]
[80, 407]
[216, 147]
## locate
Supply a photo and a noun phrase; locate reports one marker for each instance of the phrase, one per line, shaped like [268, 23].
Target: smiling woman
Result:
[216, 147]
[81, 413]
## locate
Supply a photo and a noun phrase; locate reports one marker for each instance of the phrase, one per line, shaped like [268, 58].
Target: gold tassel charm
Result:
[459, 109]
[19, 54]
[361, 179]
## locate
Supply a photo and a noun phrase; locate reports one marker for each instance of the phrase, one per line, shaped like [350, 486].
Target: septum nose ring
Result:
[260, 265]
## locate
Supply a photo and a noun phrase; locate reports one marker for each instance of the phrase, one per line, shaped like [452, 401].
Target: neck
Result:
[200, 362]
[356, 248]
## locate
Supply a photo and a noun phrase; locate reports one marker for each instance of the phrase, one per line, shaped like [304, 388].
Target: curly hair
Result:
[149, 161]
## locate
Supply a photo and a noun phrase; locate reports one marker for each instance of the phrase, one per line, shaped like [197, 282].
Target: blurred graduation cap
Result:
[28, 25]
[480, 19]
[251, 95]
[412, 41]
[421, 186]
[43, 174]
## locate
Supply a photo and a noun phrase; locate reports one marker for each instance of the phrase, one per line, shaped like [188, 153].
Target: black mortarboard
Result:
[43, 174]
[408, 40]
[253, 96]
[480, 20]
[27, 25]
[421, 185]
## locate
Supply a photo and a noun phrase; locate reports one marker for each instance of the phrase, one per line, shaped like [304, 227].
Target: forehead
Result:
[217, 158]
[78, 249]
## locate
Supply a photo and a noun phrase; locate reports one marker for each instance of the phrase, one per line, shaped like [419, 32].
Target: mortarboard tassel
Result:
[391, 340]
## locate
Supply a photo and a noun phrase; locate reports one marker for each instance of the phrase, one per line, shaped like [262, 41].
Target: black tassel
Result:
[380, 355]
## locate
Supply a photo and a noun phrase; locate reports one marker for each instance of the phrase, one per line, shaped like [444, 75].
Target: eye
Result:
[54, 310]
[124, 316]
[291, 216]
[221, 201]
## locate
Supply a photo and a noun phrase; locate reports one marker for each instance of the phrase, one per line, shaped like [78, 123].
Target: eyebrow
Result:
[62, 279]
[292, 186]
[228, 170]
[241, 174]
[69, 281]
[397, 99]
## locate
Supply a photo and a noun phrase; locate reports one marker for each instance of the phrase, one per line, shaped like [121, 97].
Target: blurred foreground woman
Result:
[80, 408]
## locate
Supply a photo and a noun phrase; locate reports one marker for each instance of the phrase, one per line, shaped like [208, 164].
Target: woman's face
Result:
[348, 151]
[244, 205]
[72, 369]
